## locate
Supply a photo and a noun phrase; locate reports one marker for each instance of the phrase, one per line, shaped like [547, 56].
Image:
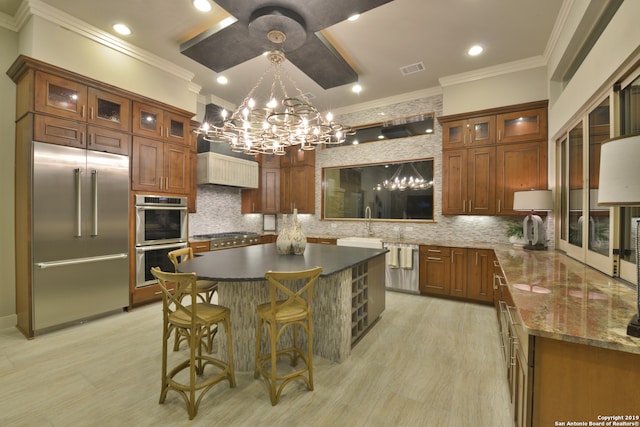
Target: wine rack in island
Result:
[359, 301]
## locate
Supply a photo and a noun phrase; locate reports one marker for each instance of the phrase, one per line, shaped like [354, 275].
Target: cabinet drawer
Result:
[200, 246]
[110, 141]
[435, 251]
[59, 131]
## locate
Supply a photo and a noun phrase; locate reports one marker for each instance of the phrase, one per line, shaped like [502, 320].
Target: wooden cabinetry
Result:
[480, 274]
[265, 198]
[297, 181]
[521, 167]
[475, 132]
[523, 125]
[155, 122]
[482, 170]
[468, 181]
[286, 183]
[435, 269]
[75, 114]
[457, 272]
[160, 167]
[200, 246]
[322, 240]
[518, 349]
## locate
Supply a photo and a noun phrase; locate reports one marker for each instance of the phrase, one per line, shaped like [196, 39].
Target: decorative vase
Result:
[298, 238]
[283, 242]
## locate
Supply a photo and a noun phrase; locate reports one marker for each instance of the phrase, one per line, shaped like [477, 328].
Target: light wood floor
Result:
[427, 362]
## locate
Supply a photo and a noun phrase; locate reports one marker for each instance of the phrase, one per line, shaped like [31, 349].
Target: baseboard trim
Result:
[8, 321]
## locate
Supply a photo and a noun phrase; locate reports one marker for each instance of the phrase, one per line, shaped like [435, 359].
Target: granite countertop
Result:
[558, 297]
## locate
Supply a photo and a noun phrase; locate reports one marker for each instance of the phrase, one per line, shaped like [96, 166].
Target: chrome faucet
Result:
[367, 216]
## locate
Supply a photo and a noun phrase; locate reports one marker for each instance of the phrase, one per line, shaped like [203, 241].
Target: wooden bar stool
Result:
[193, 321]
[287, 308]
[206, 290]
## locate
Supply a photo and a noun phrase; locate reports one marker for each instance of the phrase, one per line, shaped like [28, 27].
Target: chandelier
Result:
[398, 182]
[282, 122]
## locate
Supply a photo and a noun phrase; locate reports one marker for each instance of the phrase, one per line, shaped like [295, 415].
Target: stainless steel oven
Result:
[153, 256]
[161, 220]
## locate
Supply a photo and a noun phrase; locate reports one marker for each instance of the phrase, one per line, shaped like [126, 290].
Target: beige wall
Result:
[8, 53]
[512, 88]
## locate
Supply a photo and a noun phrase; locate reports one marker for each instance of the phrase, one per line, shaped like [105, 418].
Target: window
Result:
[576, 185]
[599, 131]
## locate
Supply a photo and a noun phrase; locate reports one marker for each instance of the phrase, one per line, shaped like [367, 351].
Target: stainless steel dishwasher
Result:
[402, 268]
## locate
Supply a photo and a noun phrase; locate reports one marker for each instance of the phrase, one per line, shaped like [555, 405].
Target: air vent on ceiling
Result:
[411, 69]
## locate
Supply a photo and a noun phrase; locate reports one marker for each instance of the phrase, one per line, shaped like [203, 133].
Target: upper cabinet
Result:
[286, 183]
[488, 155]
[155, 122]
[476, 131]
[67, 98]
[522, 126]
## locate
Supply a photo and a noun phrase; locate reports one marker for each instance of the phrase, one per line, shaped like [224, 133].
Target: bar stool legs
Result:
[278, 316]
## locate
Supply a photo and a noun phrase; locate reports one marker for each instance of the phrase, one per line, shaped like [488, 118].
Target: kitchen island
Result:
[347, 299]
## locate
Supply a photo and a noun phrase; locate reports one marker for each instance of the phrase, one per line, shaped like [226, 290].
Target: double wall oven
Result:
[161, 227]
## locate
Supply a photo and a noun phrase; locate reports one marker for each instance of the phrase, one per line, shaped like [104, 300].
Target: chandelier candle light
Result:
[283, 121]
[399, 182]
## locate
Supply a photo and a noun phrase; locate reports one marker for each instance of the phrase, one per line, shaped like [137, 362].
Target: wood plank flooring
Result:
[427, 362]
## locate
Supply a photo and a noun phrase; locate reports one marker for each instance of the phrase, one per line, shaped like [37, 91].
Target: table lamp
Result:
[620, 186]
[533, 201]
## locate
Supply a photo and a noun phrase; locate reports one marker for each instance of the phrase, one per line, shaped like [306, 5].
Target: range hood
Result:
[215, 168]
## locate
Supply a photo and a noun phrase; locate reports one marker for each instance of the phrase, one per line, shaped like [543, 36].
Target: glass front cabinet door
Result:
[521, 126]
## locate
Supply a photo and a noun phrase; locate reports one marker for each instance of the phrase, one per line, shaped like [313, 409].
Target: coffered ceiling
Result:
[391, 35]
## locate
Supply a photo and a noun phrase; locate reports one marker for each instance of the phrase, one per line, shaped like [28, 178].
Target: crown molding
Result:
[498, 70]
[561, 20]
[383, 102]
[81, 28]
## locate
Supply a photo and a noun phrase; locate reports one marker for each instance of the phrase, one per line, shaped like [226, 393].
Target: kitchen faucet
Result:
[367, 216]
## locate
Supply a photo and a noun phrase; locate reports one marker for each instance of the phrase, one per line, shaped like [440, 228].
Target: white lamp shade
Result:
[532, 200]
[620, 172]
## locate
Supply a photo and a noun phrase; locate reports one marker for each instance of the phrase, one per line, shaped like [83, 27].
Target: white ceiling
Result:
[402, 32]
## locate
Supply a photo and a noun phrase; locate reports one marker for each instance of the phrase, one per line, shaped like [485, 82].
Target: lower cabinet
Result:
[322, 240]
[458, 272]
[435, 270]
[516, 344]
[480, 274]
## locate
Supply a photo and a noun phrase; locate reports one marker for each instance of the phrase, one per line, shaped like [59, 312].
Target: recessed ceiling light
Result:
[202, 5]
[222, 80]
[475, 50]
[354, 17]
[122, 29]
[356, 88]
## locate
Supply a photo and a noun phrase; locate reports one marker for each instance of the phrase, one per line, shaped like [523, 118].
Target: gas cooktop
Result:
[209, 236]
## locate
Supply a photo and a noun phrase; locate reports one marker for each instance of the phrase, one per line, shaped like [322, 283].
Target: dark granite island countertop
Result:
[347, 299]
[251, 262]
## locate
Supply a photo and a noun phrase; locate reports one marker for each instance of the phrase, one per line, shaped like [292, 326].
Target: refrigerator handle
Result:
[78, 172]
[94, 182]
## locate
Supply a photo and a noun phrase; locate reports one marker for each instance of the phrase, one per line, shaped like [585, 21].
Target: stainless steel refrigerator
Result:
[80, 234]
